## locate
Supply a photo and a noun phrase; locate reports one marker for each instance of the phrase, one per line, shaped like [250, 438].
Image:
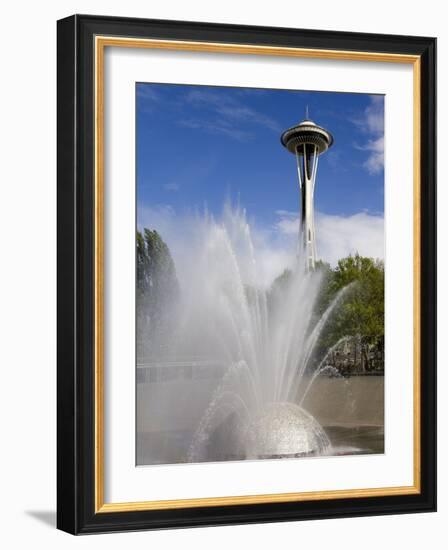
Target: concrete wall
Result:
[179, 405]
[355, 401]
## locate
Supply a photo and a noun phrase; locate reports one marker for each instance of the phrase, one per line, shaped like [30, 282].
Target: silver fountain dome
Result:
[285, 430]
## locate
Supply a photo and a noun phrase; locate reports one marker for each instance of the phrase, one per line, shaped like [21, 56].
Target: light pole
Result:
[307, 141]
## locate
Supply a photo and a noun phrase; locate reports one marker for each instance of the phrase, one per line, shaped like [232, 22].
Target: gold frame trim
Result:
[101, 42]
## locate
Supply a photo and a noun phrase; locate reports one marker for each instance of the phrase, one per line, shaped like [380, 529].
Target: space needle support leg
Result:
[308, 174]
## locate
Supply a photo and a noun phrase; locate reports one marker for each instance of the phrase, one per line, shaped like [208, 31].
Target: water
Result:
[263, 336]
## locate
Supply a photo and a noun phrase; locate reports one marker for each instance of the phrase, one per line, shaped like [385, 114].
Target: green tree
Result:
[359, 314]
[361, 310]
[157, 291]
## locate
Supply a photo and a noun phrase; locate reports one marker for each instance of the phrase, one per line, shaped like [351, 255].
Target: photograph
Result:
[259, 274]
[246, 263]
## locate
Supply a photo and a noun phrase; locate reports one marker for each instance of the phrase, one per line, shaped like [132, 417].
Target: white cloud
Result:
[227, 115]
[160, 217]
[288, 224]
[375, 161]
[220, 126]
[372, 123]
[148, 97]
[339, 236]
[272, 254]
[266, 251]
[374, 115]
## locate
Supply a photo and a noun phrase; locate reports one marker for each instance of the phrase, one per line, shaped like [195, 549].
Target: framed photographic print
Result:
[246, 274]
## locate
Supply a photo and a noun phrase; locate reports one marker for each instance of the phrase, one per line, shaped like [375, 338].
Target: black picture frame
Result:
[76, 512]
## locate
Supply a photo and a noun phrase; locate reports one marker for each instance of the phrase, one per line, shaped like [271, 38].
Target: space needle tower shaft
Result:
[307, 141]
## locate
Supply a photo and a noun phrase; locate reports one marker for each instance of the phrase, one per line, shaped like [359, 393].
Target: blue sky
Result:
[200, 145]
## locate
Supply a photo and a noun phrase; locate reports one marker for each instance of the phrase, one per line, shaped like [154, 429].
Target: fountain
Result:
[263, 336]
[285, 430]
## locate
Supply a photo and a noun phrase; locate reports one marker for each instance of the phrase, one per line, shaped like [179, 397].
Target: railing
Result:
[151, 371]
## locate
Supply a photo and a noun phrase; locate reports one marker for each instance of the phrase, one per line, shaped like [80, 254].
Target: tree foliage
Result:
[362, 308]
[157, 290]
[359, 312]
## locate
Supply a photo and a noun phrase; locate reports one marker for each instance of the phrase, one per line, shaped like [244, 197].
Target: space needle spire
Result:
[307, 141]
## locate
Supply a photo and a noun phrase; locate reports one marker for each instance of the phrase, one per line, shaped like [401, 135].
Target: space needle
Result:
[307, 141]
